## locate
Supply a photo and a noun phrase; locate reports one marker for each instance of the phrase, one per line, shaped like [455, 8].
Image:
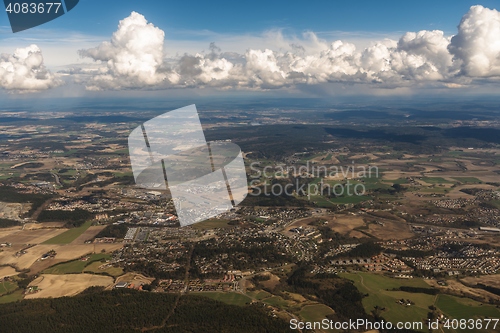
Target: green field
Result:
[7, 287]
[69, 172]
[7, 175]
[123, 174]
[321, 201]
[436, 180]
[385, 196]
[121, 151]
[305, 159]
[211, 224]
[315, 312]
[464, 308]
[14, 297]
[94, 268]
[277, 301]
[354, 199]
[316, 180]
[259, 295]
[495, 203]
[469, 180]
[397, 181]
[372, 182]
[69, 235]
[439, 190]
[76, 266]
[378, 281]
[380, 293]
[228, 298]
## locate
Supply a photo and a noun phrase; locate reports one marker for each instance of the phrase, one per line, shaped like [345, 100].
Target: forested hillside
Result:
[126, 311]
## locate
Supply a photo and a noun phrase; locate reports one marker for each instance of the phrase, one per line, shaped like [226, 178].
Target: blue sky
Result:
[277, 47]
[98, 17]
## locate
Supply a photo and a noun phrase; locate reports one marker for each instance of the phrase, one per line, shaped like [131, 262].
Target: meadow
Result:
[69, 235]
[380, 293]
[7, 287]
[315, 312]
[76, 266]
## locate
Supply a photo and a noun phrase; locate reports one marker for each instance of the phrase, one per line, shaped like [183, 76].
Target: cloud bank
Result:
[133, 59]
[24, 71]
[136, 58]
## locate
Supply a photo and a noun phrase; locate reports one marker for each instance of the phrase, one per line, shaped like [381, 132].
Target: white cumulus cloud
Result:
[476, 47]
[24, 71]
[132, 59]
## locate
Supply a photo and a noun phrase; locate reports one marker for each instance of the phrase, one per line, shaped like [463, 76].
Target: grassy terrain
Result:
[377, 281]
[387, 197]
[76, 266]
[438, 190]
[316, 180]
[380, 293]
[259, 295]
[7, 287]
[495, 203]
[121, 151]
[123, 174]
[211, 224]
[309, 158]
[397, 181]
[228, 298]
[69, 172]
[94, 268]
[464, 308]
[70, 235]
[315, 312]
[321, 201]
[14, 297]
[276, 301]
[345, 189]
[7, 175]
[351, 199]
[375, 183]
[436, 180]
[469, 180]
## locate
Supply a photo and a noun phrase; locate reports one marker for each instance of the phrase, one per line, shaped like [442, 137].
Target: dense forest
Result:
[113, 230]
[339, 294]
[127, 311]
[73, 218]
[364, 250]
[278, 141]
[6, 223]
